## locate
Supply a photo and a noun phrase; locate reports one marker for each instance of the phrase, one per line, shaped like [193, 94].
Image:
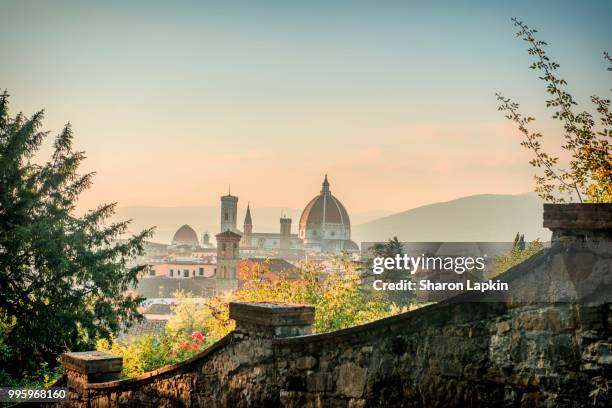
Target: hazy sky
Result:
[173, 101]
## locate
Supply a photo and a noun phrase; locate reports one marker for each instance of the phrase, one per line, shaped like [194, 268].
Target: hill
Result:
[484, 217]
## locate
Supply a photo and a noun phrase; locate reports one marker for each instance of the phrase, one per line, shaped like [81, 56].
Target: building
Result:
[229, 213]
[324, 226]
[185, 242]
[183, 269]
[228, 258]
[204, 271]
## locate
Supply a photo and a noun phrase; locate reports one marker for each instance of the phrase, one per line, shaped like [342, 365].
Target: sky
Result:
[175, 101]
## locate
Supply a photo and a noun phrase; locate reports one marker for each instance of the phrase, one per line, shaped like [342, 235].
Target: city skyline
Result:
[173, 103]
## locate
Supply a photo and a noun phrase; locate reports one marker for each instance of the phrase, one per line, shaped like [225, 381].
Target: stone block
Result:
[567, 220]
[272, 319]
[305, 363]
[319, 382]
[502, 327]
[351, 380]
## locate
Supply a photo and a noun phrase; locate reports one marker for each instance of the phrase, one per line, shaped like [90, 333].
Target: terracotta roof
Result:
[275, 265]
[228, 234]
[153, 327]
[158, 309]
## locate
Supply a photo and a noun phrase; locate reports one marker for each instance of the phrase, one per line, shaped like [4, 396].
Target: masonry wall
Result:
[513, 350]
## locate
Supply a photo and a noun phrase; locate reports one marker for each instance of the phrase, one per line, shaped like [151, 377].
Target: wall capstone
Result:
[270, 319]
[87, 367]
[578, 220]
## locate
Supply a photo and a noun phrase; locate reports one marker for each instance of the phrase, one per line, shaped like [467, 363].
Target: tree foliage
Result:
[63, 278]
[390, 249]
[183, 337]
[520, 252]
[588, 176]
[337, 297]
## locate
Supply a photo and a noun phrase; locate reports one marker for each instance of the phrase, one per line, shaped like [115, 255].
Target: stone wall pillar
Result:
[580, 221]
[87, 367]
[272, 319]
[583, 233]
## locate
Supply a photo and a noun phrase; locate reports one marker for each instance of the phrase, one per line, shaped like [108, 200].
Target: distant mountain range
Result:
[484, 217]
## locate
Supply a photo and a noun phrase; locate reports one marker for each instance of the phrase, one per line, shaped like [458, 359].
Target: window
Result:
[223, 246]
[152, 272]
[193, 273]
[226, 216]
[171, 272]
[201, 271]
[332, 234]
[186, 273]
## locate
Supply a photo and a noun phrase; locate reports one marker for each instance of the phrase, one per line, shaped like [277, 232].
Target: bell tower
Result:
[229, 212]
[228, 260]
[285, 234]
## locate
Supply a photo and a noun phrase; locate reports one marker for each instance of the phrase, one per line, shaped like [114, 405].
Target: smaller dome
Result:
[185, 236]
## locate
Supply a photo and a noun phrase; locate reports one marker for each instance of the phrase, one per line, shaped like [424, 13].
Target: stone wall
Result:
[506, 351]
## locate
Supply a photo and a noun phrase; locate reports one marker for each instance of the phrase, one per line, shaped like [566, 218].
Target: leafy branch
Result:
[589, 175]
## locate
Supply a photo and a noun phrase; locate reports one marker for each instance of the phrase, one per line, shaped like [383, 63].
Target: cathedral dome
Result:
[325, 217]
[185, 236]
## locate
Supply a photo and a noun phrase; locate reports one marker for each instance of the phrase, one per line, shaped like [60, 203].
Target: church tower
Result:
[229, 212]
[228, 260]
[247, 227]
[285, 234]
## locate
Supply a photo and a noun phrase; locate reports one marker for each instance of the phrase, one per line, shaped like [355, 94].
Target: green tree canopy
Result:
[520, 252]
[390, 249]
[63, 278]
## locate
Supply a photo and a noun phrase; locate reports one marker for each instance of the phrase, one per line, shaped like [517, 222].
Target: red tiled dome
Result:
[324, 208]
[185, 236]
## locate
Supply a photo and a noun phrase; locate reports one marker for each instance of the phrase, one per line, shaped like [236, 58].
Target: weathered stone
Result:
[275, 319]
[305, 363]
[351, 380]
[319, 382]
[503, 327]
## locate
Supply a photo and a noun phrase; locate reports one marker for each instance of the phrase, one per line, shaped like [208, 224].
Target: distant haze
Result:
[207, 218]
[484, 217]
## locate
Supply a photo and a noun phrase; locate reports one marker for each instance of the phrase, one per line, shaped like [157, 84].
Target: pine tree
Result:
[63, 278]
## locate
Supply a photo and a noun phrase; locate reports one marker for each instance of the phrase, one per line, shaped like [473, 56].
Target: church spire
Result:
[247, 227]
[325, 188]
[247, 217]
